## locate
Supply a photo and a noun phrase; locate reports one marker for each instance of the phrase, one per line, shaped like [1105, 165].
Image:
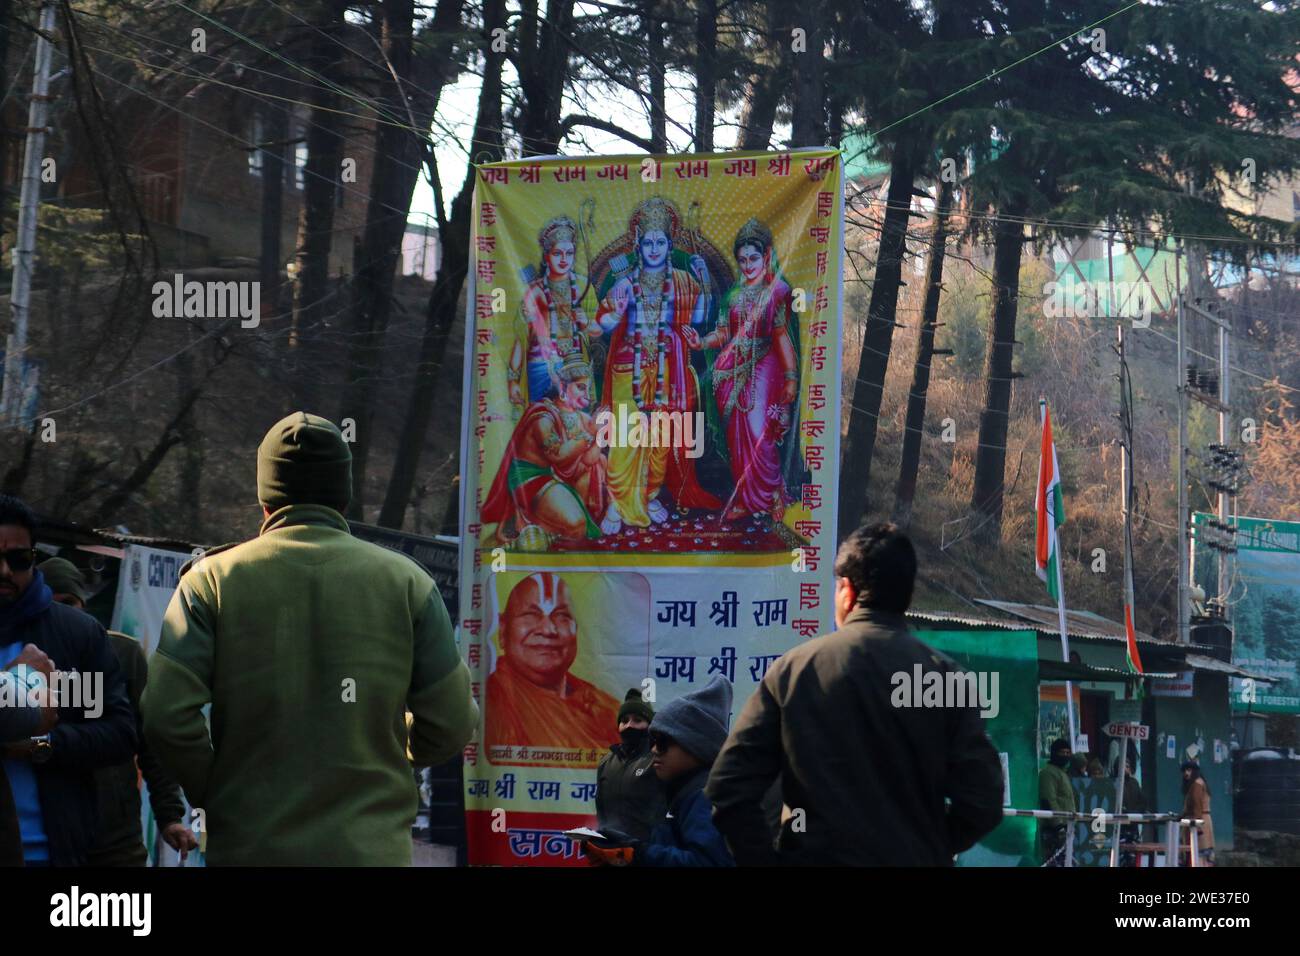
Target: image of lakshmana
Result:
[552, 324]
[532, 699]
[648, 368]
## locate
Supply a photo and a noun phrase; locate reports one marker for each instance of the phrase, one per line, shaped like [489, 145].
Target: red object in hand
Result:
[609, 856]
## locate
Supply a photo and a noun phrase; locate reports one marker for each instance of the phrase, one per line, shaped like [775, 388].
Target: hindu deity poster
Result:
[650, 439]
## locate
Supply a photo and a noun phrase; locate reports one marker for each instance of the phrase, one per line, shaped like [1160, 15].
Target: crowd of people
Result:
[1056, 792]
[300, 674]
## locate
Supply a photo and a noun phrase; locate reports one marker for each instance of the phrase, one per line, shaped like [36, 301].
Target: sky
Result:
[459, 103]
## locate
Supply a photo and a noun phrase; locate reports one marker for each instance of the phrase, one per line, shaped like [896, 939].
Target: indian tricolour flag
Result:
[1050, 507]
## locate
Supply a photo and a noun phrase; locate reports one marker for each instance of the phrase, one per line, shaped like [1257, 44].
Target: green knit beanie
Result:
[634, 706]
[304, 460]
[63, 577]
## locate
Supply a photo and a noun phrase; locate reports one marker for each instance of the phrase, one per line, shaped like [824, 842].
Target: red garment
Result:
[502, 501]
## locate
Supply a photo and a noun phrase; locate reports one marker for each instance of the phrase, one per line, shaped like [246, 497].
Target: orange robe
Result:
[519, 713]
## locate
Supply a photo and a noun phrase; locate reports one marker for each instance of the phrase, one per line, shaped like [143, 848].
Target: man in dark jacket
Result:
[629, 796]
[121, 841]
[52, 775]
[864, 782]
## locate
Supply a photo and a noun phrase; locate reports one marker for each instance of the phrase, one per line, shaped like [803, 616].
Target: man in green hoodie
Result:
[310, 645]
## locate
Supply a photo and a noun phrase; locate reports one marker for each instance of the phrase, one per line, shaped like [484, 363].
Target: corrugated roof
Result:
[1077, 623]
[1073, 670]
[1199, 662]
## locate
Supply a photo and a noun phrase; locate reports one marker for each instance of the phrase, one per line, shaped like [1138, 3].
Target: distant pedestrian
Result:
[310, 645]
[629, 796]
[864, 782]
[1196, 806]
[1055, 792]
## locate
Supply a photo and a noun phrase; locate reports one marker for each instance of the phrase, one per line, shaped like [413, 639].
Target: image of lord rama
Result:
[552, 482]
[647, 314]
[532, 700]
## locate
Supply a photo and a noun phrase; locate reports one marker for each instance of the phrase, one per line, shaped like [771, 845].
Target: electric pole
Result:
[11, 399]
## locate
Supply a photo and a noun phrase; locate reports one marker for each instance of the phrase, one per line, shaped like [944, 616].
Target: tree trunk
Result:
[396, 168]
[189, 503]
[443, 301]
[270, 263]
[654, 27]
[398, 155]
[5, 9]
[912, 430]
[991, 455]
[763, 91]
[706, 77]
[808, 120]
[543, 68]
[869, 386]
[311, 294]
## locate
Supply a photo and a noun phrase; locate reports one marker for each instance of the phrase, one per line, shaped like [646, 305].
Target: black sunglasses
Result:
[19, 559]
[661, 742]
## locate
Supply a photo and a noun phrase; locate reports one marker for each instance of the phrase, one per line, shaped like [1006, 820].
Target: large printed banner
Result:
[1265, 609]
[650, 438]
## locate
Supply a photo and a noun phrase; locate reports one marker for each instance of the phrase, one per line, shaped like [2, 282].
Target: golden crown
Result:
[656, 214]
[574, 369]
[559, 229]
[754, 233]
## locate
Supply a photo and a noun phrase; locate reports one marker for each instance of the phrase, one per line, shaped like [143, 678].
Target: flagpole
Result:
[1065, 645]
[1060, 595]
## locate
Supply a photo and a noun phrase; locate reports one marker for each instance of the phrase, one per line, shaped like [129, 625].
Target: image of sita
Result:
[654, 298]
[755, 375]
[552, 325]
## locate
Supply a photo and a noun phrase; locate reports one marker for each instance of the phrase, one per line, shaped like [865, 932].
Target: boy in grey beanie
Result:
[685, 736]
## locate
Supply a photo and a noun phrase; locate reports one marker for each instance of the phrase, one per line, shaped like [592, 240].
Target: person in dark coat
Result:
[685, 737]
[51, 775]
[629, 796]
[121, 840]
[864, 782]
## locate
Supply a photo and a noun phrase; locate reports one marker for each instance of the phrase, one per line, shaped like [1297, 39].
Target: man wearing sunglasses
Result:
[51, 774]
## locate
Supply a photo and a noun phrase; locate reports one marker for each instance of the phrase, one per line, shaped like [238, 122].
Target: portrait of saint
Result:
[532, 699]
